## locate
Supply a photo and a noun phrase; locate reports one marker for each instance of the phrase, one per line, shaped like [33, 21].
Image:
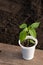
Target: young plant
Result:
[28, 30]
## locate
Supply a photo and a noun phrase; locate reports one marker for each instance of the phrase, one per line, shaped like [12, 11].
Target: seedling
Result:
[28, 30]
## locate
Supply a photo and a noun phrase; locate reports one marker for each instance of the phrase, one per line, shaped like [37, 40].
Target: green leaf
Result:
[35, 25]
[23, 25]
[29, 27]
[22, 35]
[32, 32]
[31, 41]
[26, 29]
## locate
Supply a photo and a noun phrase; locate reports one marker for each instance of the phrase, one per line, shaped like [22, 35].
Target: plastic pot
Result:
[28, 52]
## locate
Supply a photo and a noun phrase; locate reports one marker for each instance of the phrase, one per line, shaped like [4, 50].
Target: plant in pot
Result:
[27, 40]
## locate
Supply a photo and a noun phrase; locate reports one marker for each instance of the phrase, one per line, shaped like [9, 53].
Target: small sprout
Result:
[28, 30]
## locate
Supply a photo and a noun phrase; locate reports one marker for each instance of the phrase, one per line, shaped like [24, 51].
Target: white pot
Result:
[28, 52]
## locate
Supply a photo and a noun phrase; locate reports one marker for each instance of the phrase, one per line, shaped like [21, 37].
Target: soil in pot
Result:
[27, 43]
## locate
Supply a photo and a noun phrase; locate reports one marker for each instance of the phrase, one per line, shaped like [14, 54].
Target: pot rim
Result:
[29, 37]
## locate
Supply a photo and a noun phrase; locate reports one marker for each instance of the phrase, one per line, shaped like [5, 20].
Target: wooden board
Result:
[11, 55]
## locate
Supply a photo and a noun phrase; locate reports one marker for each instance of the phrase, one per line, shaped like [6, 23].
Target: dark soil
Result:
[15, 12]
[27, 44]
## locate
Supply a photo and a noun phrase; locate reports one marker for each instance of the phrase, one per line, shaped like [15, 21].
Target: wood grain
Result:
[11, 55]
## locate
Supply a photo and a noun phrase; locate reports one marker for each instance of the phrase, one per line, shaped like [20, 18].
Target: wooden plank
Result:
[11, 55]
